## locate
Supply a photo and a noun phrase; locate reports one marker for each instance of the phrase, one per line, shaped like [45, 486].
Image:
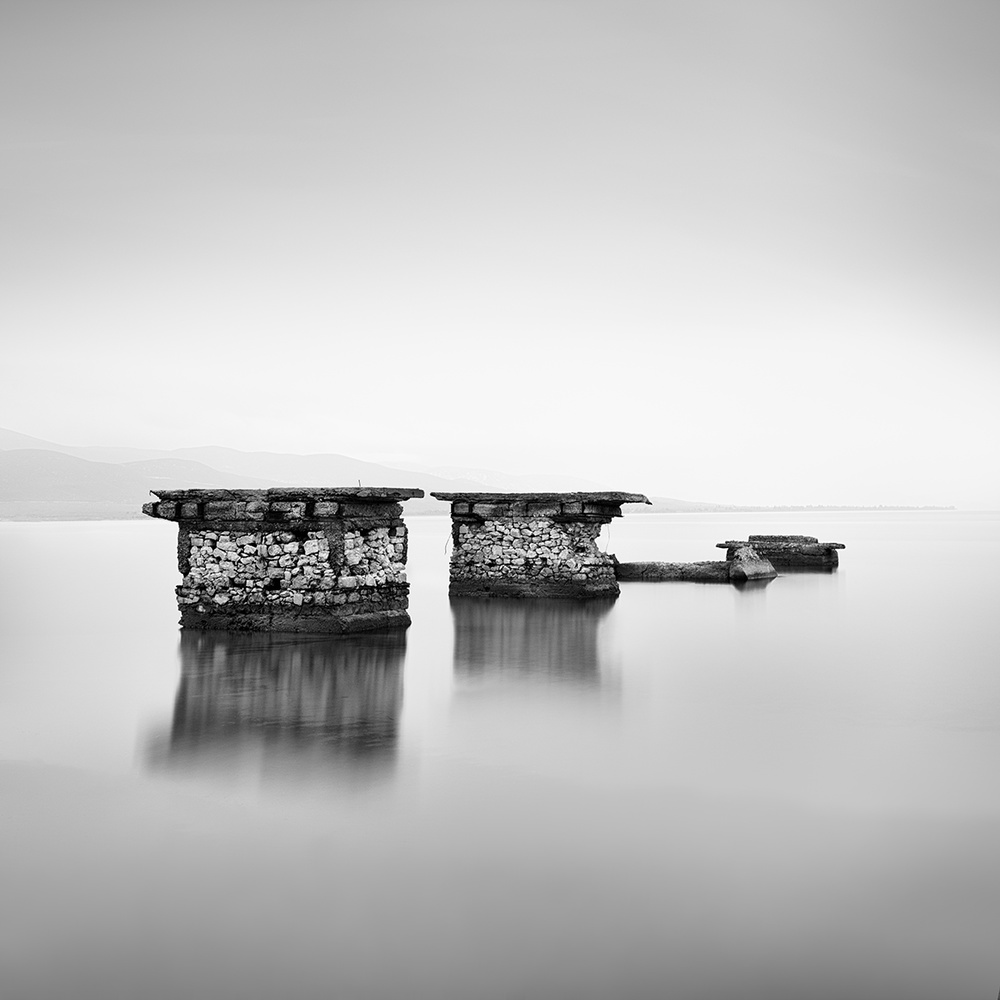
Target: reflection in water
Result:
[799, 803]
[556, 639]
[752, 586]
[751, 602]
[285, 703]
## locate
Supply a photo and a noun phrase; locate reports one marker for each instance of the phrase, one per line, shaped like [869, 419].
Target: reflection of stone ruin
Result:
[551, 638]
[330, 698]
[294, 560]
[532, 544]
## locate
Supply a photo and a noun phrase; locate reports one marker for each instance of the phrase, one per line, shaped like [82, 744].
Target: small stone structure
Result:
[745, 564]
[532, 544]
[789, 551]
[290, 560]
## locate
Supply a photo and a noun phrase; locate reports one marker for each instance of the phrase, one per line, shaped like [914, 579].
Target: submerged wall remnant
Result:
[715, 571]
[532, 544]
[290, 559]
[745, 564]
[789, 551]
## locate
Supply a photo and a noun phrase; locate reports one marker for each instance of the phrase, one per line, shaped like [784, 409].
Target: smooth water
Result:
[695, 791]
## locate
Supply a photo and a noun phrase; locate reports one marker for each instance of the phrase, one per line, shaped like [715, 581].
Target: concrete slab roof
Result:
[605, 497]
[374, 494]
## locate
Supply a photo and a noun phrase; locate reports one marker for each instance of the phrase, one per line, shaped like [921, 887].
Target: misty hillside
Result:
[494, 481]
[47, 475]
[41, 472]
[33, 474]
[175, 473]
[228, 467]
[252, 470]
[315, 470]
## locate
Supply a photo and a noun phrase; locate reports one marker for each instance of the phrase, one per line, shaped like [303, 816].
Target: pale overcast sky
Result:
[740, 251]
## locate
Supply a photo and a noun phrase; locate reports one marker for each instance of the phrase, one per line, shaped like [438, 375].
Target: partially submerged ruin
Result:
[746, 564]
[758, 558]
[532, 544]
[334, 559]
[789, 551]
[290, 560]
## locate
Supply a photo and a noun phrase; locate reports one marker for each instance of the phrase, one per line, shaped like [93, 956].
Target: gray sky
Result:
[739, 251]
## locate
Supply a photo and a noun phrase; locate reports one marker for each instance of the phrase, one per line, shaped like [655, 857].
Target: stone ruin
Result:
[334, 559]
[758, 558]
[532, 544]
[789, 551]
[290, 560]
[742, 566]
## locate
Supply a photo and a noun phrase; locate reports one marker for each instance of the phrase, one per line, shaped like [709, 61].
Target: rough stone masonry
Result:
[290, 560]
[532, 544]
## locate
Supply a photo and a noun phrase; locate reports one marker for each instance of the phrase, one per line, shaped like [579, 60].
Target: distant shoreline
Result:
[69, 510]
[666, 508]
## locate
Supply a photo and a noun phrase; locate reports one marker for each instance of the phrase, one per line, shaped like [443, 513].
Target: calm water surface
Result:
[784, 791]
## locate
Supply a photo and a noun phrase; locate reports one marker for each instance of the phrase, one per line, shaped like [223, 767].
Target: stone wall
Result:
[532, 544]
[715, 571]
[330, 560]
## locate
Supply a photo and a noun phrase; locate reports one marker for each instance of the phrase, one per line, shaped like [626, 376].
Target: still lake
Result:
[695, 791]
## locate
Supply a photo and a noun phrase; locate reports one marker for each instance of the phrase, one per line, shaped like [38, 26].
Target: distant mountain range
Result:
[43, 480]
[37, 465]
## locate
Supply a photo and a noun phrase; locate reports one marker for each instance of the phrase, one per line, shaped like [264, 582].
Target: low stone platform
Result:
[532, 544]
[715, 571]
[745, 565]
[290, 559]
[790, 551]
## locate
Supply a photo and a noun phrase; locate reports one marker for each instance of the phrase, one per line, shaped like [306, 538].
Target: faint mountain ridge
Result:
[36, 472]
[494, 481]
[212, 465]
[167, 472]
[228, 467]
[40, 475]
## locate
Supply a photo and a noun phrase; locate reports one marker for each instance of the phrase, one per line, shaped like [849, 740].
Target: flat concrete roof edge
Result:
[600, 497]
[374, 493]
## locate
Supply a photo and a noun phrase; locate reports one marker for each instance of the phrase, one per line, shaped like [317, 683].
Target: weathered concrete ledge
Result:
[745, 565]
[290, 559]
[715, 571]
[280, 504]
[790, 551]
[532, 544]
